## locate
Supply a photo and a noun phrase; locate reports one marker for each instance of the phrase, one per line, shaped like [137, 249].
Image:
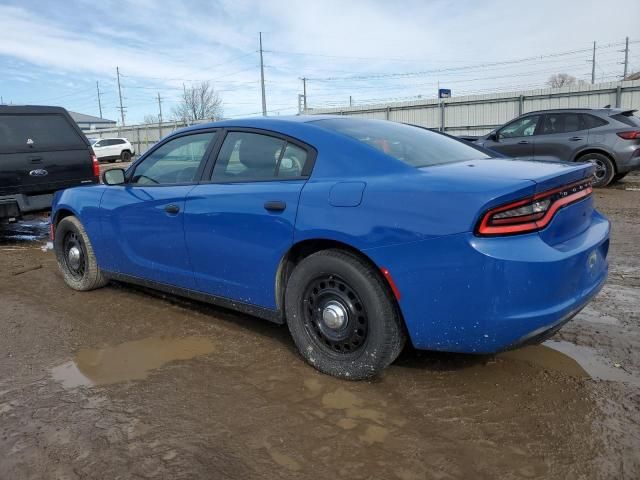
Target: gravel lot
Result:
[123, 383]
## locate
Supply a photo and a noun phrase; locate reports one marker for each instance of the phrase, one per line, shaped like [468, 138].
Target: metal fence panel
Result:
[478, 114]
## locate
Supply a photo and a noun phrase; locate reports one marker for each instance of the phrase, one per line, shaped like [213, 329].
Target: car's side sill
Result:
[266, 313]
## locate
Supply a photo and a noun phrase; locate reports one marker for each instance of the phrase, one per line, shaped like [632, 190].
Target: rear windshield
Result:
[415, 146]
[627, 117]
[37, 132]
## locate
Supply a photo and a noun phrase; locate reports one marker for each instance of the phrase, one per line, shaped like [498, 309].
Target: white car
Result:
[112, 149]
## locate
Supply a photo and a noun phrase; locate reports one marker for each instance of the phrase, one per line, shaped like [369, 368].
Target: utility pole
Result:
[264, 100]
[304, 94]
[120, 95]
[593, 65]
[626, 58]
[99, 103]
[159, 108]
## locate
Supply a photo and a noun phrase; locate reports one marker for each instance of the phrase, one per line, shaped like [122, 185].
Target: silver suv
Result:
[607, 137]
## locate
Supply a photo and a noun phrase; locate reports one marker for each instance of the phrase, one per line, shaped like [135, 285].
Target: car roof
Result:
[34, 109]
[266, 123]
[603, 111]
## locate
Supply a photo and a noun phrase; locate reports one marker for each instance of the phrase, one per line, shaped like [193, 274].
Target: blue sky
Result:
[54, 52]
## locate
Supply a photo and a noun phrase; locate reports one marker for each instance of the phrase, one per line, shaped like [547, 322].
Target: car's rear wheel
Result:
[604, 168]
[125, 156]
[341, 315]
[75, 256]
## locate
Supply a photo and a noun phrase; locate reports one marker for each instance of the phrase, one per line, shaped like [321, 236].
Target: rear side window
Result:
[38, 132]
[253, 156]
[591, 121]
[415, 146]
[627, 118]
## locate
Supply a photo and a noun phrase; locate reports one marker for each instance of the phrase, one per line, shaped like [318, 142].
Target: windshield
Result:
[415, 146]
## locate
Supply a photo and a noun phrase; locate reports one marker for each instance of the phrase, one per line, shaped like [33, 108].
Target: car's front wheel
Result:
[604, 168]
[75, 256]
[341, 315]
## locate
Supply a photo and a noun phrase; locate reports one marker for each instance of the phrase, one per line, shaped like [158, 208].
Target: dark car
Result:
[356, 233]
[607, 137]
[41, 150]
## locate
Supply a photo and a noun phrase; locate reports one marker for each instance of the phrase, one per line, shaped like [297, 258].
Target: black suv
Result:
[41, 150]
[607, 137]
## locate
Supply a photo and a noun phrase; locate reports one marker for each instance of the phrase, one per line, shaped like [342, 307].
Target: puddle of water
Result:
[374, 434]
[571, 359]
[24, 231]
[127, 361]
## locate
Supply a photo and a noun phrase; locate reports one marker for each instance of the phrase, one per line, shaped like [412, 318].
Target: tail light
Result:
[533, 213]
[96, 166]
[632, 135]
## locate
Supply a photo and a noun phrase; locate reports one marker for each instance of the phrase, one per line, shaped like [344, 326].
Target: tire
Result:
[125, 156]
[80, 271]
[618, 176]
[605, 169]
[369, 334]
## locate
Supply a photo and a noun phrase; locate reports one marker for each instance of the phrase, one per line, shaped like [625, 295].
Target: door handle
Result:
[523, 142]
[575, 139]
[35, 159]
[275, 206]
[172, 209]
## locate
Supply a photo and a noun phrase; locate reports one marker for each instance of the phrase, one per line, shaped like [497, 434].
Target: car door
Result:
[560, 136]
[515, 139]
[240, 223]
[143, 220]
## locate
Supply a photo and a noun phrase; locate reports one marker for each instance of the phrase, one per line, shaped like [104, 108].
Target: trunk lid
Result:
[546, 175]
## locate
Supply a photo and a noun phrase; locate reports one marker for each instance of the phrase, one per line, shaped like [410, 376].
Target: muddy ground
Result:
[121, 383]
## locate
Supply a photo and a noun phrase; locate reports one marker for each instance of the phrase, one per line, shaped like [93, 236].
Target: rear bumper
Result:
[17, 205]
[462, 293]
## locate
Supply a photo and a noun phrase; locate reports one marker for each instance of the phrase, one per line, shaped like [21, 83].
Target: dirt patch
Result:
[166, 388]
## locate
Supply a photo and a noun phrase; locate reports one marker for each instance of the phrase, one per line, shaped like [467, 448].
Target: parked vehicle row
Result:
[41, 150]
[358, 234]
[607, 137]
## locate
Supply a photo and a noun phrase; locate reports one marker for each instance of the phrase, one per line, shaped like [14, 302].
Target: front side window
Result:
[176, 161]
[415, 146]
[523, 127]
[253, 156]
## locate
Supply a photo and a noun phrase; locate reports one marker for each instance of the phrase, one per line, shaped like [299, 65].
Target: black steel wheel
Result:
[342, 315]
[125, 156]
[75, 256]
[335, 316]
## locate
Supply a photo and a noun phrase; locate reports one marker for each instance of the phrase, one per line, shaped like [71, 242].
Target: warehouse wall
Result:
[479, 114]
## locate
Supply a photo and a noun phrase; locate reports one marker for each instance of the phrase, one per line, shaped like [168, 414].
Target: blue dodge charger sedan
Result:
[356, 233]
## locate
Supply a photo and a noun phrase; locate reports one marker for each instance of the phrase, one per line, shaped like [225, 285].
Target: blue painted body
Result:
[459, 292]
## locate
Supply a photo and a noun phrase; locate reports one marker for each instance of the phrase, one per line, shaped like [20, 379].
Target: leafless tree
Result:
[563, 80]
[199, 102]
[150, 119]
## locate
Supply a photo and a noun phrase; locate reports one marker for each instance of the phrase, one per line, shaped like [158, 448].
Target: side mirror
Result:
[494, 136]
[113, 176]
